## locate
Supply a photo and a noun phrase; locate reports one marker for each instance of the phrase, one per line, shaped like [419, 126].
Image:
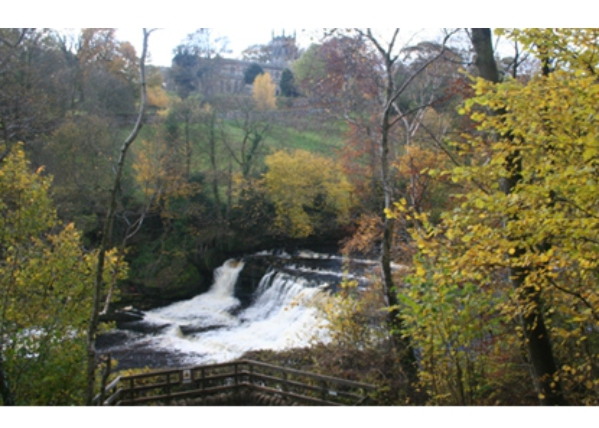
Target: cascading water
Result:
[279, 318]
[211, 309]
[216, 327]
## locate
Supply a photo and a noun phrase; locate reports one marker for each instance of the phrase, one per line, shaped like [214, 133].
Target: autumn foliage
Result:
[460, 308]
[264, 92]
[307, 191]
[46, 283]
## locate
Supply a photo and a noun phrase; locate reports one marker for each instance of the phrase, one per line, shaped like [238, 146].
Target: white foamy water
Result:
[208, 309]
[281, 316]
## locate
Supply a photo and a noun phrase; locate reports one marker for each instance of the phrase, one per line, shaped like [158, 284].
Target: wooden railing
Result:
[240, 379]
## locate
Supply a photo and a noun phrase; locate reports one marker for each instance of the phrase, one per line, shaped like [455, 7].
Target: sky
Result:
[251, 22]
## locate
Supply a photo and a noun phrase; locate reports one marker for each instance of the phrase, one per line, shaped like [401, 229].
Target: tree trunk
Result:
[107, 233]
[401, 343]
[212, 148]
[485, 58]
[229, 191]
[537, 337]
[187, 147]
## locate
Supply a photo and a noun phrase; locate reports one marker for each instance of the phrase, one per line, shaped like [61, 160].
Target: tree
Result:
[338, 74]
[538, 340]
[250, 73]
[264, 92]
[186, 112]
[522, 228]
[343, 78]
[183, 71]
[359, 77]
[210, 124]
[108, 227]
[10, 39]
[157, 96]
[256, 53]
[30, 104]
[287, 84]
[170, 199]
[46, 284]
[386, 114]
[310, 192]
[255, 126]
[203, 44]
[103, 71]
[196, 62]
[78, 155]
[309, 69]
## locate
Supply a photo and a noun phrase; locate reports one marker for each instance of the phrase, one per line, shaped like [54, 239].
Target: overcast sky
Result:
[251, 22]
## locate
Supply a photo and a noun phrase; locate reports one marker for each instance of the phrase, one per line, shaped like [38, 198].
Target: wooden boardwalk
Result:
[242, 382]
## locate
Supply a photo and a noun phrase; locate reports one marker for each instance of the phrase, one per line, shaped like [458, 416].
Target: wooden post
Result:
[131, 393]
[236, 375]
[284, 383]
[168, 388]
[236, 393]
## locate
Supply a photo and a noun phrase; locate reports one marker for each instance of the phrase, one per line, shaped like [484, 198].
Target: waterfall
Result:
[280, 317]
[215, 327]
[276, 294]
[210, 309]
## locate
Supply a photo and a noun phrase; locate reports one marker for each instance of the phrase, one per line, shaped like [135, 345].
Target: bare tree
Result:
[389, 115]
[25, 109]
[108, 226]
[255, 126]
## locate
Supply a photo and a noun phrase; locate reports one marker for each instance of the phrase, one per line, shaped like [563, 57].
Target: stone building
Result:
[283, 50]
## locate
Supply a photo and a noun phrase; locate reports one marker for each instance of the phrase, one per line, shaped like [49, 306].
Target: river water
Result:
[275, 309]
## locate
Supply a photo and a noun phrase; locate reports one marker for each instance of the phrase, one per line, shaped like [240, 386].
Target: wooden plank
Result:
[296, 396]
[110, 386]
[142, 388]
[113, 384]
[113, 398]
[131, 386]
[146, 375]
[177, 395]
[305, 386]
[313, 375]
